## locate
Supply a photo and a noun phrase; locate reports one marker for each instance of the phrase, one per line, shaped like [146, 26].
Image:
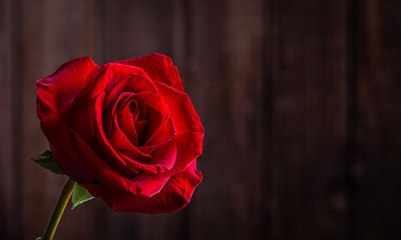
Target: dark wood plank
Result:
[308, 115]
[11, 83]
[127, 29]
[3, 119]
[378, 121]
[224, 78]
[4, 113]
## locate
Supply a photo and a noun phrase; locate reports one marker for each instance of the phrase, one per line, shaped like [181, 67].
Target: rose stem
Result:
[58, 210]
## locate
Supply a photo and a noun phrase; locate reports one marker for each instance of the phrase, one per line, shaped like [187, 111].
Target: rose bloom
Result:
[125, 131]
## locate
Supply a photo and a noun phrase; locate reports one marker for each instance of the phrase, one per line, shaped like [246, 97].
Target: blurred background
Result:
[300, 100]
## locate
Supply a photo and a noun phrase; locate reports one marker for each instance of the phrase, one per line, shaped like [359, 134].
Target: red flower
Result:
[125, 131]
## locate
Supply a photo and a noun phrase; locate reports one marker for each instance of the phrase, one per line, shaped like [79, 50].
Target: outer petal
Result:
[175, 195]
[101, 170]
[72, 167]
[117, 78]
[55, 96]
[188, 126]
[159, 67]
[146, 184]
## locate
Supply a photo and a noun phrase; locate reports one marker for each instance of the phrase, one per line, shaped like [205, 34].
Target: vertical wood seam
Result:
[350, 145]
[15, 121]
[266, 117]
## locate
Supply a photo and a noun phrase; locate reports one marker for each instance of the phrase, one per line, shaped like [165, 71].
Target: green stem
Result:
[58, 210]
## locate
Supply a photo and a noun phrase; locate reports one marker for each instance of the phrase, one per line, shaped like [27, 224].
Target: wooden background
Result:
[300, 100]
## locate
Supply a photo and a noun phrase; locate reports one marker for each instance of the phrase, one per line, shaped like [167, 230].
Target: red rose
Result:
[125, 131]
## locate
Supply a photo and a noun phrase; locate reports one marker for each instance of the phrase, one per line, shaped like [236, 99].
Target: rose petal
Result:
[125, 122]
[162, 159]
[145, 184]
[159, 67]
[157, 115]
[101, 144]
[148, 184]
[81, 121]
[55, 96]
[109, 176]
[148, 149]
[166, 132]
[72, 167]
[175, 194]
[118, 137]
[117, 78]
[139, 126]
[109, 114]
[120, 142]
[65, 84]
[189, 129]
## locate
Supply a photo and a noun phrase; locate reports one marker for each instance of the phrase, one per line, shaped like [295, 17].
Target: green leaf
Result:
[46, 160]
[80, 195]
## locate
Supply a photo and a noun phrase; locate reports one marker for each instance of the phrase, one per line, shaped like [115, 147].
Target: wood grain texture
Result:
[300, 101]
[308, 115]
[378, 121]
[5, 35]
[226, 86]
[12, 115]
[4, 147]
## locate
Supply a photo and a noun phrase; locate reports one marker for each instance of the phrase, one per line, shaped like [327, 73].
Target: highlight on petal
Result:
[181, 110]
[159, 67]
[59, 89]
